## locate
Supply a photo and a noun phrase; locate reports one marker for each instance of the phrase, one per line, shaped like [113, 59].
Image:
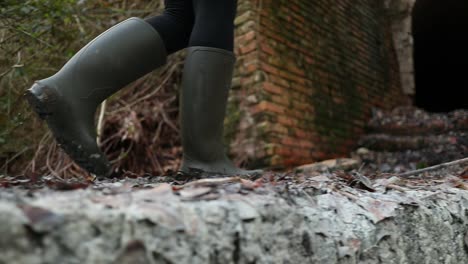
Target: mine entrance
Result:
[440, 30]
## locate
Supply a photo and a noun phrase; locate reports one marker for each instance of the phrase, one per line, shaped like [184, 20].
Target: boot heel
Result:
[41, 98]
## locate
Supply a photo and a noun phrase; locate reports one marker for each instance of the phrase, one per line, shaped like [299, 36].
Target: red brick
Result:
[288, 141]
[269, 107]
[286, 120]
[272, 88]
[281, 100]
[248, 48]
[270, 69]
[267, 48]
[249, 36]
[250, 68]
[300, 133]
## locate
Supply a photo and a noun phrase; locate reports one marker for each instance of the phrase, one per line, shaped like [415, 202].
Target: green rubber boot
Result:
[205, 86]
[68, 100]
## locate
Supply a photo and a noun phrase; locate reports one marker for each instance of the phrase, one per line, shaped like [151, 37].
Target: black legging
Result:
[186, 23]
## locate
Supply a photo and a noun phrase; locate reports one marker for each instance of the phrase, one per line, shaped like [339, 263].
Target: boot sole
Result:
[43, 101]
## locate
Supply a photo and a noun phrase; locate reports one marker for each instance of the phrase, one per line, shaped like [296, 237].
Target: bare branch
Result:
[433, 168]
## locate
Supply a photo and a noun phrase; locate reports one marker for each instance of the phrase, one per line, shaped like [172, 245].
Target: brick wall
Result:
[308, 74]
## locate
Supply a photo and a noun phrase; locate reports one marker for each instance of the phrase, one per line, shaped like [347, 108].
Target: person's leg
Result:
[175, 24]
[214, 24]
[205, 86]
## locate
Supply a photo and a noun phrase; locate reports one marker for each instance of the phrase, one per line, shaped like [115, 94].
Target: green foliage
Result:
[29, 49]
[421, 165]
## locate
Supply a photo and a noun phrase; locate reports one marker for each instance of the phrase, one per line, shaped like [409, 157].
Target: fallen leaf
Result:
[258, 183]
[40, 219]
[194, 192]
[464, 174]
[344, 175]
[210, 182]
[134, 252]
[457, 183]
[321, 179]
[162, 189]
[379, 210]
[363, 182]
[247, 184]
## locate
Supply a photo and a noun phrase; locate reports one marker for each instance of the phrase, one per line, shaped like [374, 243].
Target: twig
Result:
[138, 83]
[78, 22]
[122, 156]
[157, 133]
[203, 182]
[5, 165]
[154, 161]
[349, 195]
[48, 158]
[168, 122]
[5, 72]
[41, 144]
[31, 36]
[396, 187]
[65, 167]
[432, 168]
[161, 85]
[100, 123]
[311, 200]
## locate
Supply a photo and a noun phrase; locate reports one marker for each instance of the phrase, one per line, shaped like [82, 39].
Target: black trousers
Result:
[186, 23]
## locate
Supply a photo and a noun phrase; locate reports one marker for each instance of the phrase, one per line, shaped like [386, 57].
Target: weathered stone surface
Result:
[387, 142]
[323, 221]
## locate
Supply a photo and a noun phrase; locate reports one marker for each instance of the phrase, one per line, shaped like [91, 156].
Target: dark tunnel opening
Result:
[441, 54]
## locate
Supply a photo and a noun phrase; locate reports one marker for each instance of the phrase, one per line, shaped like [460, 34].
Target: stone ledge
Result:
[319, 221]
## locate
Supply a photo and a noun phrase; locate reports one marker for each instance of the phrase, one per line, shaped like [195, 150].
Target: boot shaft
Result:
[204, 93]
[116, 57]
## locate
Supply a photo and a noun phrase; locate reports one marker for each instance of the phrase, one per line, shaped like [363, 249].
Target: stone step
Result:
[406, 160]
[411, 121]
[385, 142]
